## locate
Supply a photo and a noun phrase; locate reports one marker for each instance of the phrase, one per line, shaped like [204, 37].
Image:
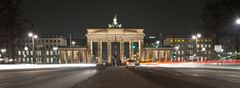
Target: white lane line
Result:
[4, 83]
[178, 74]
[195, 75]
[43, 77]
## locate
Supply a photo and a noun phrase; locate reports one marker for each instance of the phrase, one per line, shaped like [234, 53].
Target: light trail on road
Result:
[39, 66]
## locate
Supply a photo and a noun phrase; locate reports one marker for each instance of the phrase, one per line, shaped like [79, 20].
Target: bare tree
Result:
[11, 25]
[218, 18]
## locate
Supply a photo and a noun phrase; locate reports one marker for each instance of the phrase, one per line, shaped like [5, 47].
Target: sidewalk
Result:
[116, 77]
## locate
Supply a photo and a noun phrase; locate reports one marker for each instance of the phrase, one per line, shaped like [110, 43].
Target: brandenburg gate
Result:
[114, 33]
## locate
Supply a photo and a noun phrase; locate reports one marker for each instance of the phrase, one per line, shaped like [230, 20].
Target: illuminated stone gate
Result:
[114, 33]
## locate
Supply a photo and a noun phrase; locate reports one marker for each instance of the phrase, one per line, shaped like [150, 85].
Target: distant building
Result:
[43, 49]
[186, 47]
[151, 38]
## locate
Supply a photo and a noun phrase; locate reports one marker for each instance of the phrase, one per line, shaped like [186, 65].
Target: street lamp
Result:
[55, 53]
[3, 52]
[196, 39]
[26, 48]
[157, 46]
[238, 21]
[33, 36]
[73, 43]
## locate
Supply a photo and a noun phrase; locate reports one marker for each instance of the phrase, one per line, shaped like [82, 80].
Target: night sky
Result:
[62, 17]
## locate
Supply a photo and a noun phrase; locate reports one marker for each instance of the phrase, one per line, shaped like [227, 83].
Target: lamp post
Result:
[3, 52]
[196, 39]
[33, 36]
[238, 23]
[56, 54]
[26, 50]
[72, 44]
[157, 46]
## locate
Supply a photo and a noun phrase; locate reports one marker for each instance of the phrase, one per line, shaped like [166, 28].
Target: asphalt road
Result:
[45, 78]
[139, 77]
[190, 77]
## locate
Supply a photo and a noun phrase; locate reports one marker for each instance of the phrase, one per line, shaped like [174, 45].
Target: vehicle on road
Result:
[130, 63]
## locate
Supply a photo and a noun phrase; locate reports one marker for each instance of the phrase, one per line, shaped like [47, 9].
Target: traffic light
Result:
[134, 46]
[174, 56]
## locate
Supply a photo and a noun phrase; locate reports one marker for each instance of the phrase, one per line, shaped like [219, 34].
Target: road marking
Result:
[4, 84]
[195, 75]
[43, 77]
[178, 74]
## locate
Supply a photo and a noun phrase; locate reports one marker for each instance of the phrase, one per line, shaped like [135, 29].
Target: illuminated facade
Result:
[187, 47]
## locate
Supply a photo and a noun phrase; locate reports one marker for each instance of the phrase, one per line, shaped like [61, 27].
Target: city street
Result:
[45, 78]
[120, 77]
[142, 77]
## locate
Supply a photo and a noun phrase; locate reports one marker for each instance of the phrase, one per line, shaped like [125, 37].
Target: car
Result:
[130, 63]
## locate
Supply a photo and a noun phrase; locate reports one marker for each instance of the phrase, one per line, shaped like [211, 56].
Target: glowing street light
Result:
[73, 42]
[26, 48]
[157, 45]
[195, 37]
[3, 50]
[33, 36]
[55, 53]
[2, 55]
[238, 21]
[176, 48]
[55, 48]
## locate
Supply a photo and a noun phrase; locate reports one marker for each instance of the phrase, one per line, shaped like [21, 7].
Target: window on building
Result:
[42, 40]
[46, 40]
[19, 52]
[51, 52]
[47, 60]
[209, 45]
[27, 59]
[198, 45]
[183, 41]
[27, 52]
[51, 60]
[24, 59]
[31, 52]
[179, 40]
[206, 45]
[47, 52]
[23, 53]
[50, 40]
[58, 40]
[206, 40]
[55, 40]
